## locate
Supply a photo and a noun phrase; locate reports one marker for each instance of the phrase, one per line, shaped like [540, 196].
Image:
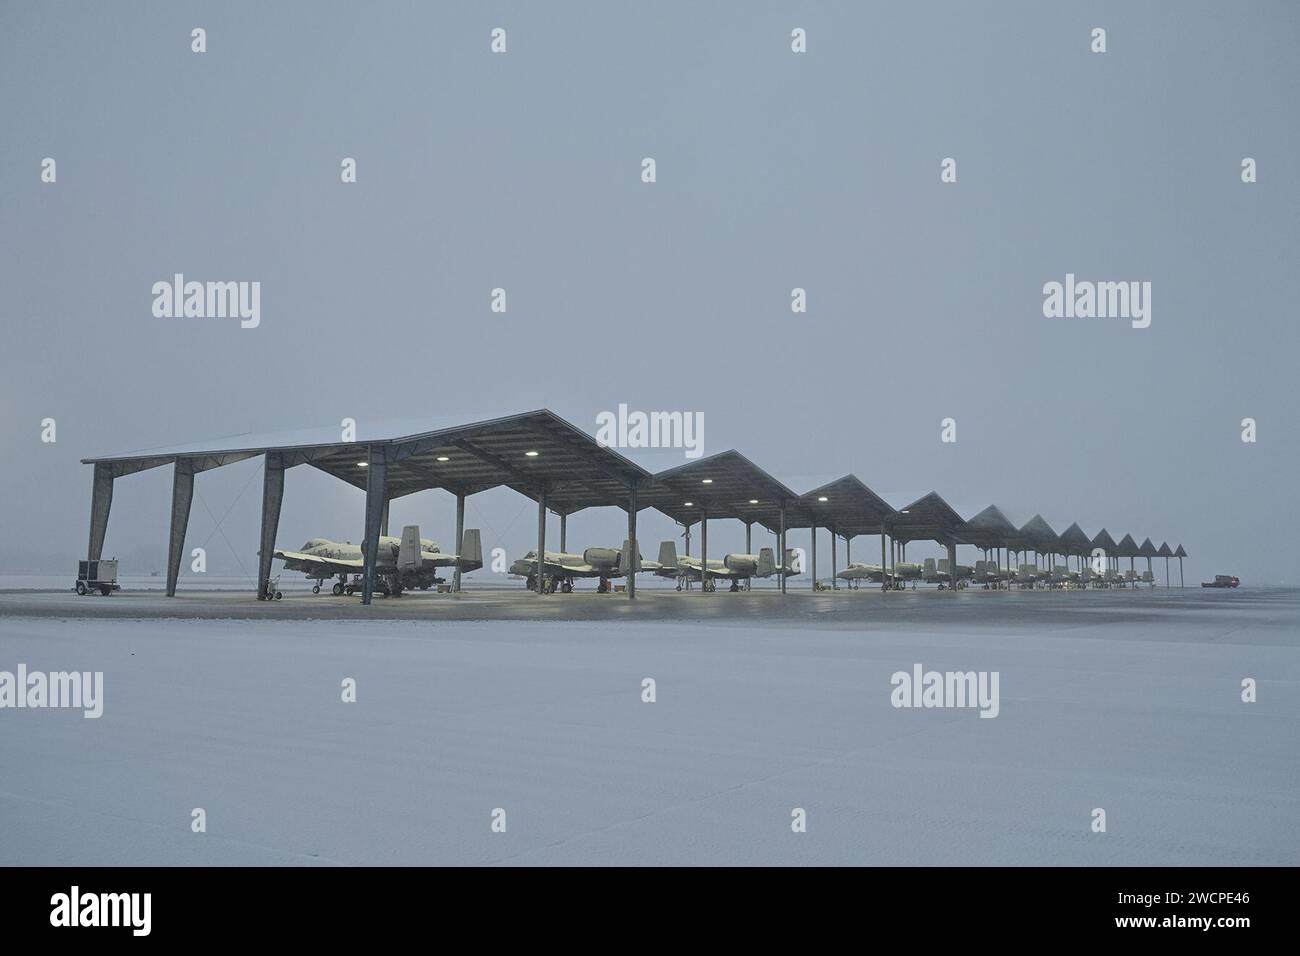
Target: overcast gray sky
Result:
[775, 170]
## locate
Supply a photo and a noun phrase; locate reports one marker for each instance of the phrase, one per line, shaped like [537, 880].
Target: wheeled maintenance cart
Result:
[100, 575]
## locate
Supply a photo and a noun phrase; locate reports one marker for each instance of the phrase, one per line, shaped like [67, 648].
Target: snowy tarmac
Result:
[1125, 701]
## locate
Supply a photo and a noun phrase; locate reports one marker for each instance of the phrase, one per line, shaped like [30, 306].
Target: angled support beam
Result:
[376, 496]
[272, 496]
[182, 497]
[496, 461]
[101, 500]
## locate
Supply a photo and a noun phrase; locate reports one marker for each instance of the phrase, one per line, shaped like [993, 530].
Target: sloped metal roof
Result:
[1039, 534]
[1104, 541]
[928, 518]
[991, 529]
[725, 485]
[1127, 547]
[576, 470]
[1147, 549]
[1074, 541]
[1179, 552]
[846, 505]
[1164, 551]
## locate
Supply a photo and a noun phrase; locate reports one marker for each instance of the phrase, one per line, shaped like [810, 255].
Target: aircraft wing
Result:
[314, 564]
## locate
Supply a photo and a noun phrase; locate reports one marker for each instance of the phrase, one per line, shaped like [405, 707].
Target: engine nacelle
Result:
[740, 563]
[606, 557]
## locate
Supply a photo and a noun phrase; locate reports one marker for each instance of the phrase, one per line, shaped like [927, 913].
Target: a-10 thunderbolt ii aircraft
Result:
[898, 576]
[560, 568]
[400, 563]
[932, 573]
[732, 567]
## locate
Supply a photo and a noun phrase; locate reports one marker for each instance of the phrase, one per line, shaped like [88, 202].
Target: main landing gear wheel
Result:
[566, 587]
[80, 588]
[315, 589]
[337, 590]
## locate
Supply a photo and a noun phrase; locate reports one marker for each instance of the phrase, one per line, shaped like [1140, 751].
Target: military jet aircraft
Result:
[733, 567]
[560, 568]
[932, 573]
[400, 563]
[857, 572]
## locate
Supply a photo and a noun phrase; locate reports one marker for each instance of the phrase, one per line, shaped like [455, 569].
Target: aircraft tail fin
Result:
[408, 553]
[626, 559]
[766, 563]
[471, 551]
[668, 554]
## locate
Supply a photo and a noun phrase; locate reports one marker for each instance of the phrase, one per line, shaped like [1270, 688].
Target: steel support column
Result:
[749, 549]
[835, 585]
[376, 499]
[564, 533]
[272, 496]
[383, 519]
[812, 534]
[101, 500]
[704, 551]
[952, 564]
[780, 544]
[633, 552]
[541, 540]
[182, 496]
[884, 577]
[459, 544]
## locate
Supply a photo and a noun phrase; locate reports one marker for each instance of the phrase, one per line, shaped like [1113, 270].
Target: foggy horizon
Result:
[775, 171]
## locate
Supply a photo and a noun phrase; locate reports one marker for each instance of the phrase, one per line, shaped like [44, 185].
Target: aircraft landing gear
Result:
[337, 590]
[735, 586]
[566, 587]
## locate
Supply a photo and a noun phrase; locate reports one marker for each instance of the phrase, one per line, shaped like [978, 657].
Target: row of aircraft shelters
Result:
[565, 470]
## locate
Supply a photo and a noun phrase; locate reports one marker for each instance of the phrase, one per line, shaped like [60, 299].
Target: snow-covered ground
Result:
[453, 720]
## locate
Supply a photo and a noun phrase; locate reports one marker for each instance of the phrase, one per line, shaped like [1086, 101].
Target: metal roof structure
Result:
[1104, 541]
[725, 485]
[1127, 547]
[565, 470]
[846, 506]
[928, 518]
[1039, 535]
[1179, 552]
[991, 529]
[527, 452]
[1164, 551]
[1074, 541]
